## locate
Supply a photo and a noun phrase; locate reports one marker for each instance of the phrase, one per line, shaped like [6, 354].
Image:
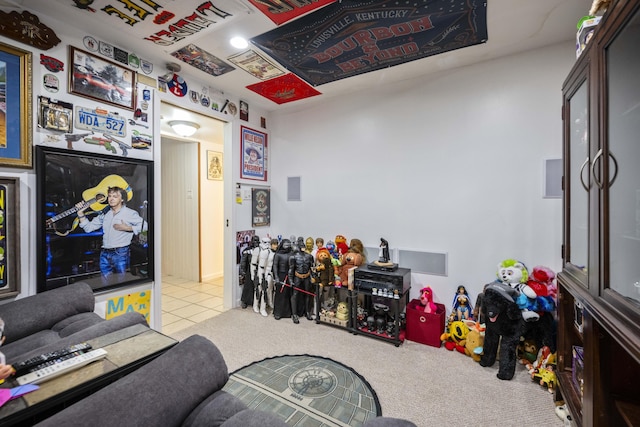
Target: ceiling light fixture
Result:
[239, 42]
[183, 127]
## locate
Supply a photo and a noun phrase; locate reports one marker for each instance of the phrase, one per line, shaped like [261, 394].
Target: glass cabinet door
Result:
[621, 162]
[579, 180]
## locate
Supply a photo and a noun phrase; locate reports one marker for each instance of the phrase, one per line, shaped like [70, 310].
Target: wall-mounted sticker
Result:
[146, 66]
[51, 83]
[205, 101]
[134, 61]
[55, 115]
[121, 56]
[106, 49]
[90, 44]
[177, 86]
[194, 96]
[244, 111]
[51, 64]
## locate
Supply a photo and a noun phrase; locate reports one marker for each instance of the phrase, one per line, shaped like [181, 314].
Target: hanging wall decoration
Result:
[284, 89]
[202, 60]
[253, 155]
[345, 39]
[280, 12]
[260, 207]
[256, 64]
[27, 28]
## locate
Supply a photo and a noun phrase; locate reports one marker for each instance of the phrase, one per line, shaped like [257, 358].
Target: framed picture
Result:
[254, 154]
[94, 219]
[214, 165]
[260, 207]
[15, 107]
[9, 239]
[102, 80]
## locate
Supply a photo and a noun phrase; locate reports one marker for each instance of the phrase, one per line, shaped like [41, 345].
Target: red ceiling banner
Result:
[281, 11]
[284, 89]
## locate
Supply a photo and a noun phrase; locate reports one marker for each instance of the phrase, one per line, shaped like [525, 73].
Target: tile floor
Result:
[185, 303]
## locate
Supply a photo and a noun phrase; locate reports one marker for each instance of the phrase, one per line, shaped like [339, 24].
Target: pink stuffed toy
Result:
[426, 299]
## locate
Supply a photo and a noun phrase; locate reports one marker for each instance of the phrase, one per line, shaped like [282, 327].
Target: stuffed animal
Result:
[426, 300]
[599, 5]
[341, 245]
[514, 274]
[350, 260]
[357, 246]
[544, 371]
[453, 338]
[473, 344]
[527, 351]
[342, 312]
[541, 281]
[505, 325]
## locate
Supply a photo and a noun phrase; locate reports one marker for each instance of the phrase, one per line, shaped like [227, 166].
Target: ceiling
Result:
[512, 25]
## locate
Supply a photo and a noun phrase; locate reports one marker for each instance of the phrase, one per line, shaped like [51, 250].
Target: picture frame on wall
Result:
[93, 77]
[260, 207]
[69, 249]
[9, 238]
[15, 107]
[254, 153]
[214, 165]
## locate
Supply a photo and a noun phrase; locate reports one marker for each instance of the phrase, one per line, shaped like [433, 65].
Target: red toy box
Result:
[422, 327]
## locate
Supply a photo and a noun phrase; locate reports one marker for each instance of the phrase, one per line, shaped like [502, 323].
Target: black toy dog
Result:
[504, 319]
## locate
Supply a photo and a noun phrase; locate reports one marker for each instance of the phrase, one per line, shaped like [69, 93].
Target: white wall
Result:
[449, 163]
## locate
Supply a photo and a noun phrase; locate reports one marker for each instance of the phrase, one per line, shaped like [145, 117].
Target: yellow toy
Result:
[454, 337]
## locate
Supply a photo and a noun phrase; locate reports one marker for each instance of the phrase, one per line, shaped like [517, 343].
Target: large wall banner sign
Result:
[344, 39]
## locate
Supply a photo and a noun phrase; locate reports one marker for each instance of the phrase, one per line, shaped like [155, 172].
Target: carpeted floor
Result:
[427, 385]
[306, 390]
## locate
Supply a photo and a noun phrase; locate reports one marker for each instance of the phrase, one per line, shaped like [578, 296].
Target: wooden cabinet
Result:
[599, 286]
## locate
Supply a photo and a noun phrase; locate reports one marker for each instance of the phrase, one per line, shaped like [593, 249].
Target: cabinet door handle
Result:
[585, 186]
[593, 168]
[615, 171]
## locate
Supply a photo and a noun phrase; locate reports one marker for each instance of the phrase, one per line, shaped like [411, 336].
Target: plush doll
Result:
[426, 300]
[514, 274]
[342, 312]
[357, 246]
[541, 281]
[341, 245]
[599, 5]
[474, 341]
[454, 338]
[350, 260]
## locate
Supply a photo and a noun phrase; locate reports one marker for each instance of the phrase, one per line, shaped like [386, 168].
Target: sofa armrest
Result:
[35, 313]
[160, 393]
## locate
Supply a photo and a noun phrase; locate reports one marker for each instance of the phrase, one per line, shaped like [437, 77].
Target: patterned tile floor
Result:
[185, 303]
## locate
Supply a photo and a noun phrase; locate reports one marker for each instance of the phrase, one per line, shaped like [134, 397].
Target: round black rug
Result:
[306, 390]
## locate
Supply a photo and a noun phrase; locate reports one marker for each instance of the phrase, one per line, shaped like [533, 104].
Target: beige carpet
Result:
[427, 385]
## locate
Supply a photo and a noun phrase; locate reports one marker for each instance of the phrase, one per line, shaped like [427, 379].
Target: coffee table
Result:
[127, 350]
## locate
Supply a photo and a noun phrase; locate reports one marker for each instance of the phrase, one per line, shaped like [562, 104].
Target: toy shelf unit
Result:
[599, 286]
[333, 306]
[379, 300]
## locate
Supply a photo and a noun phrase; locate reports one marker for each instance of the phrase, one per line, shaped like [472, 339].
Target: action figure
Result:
[245, 276]
[461, 309]
[324, 281]
[300, 264]
[282, 297]
[384, 251]
[263, 276]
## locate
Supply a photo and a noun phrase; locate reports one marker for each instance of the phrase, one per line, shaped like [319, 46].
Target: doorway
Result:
[192, 260]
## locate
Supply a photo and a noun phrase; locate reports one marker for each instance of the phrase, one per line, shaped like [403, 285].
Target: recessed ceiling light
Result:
[239, 42]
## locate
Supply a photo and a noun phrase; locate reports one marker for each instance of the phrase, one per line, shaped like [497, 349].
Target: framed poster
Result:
[94, 219]
[260, 207]
[102, 80]
[214, 165]
[15, 107]
[254, 153]
[9, 239]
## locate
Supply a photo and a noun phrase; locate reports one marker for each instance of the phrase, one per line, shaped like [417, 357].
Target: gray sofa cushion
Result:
[48, 340]
[35, 313]
[160, 393]
[214, 410]
[73, 324]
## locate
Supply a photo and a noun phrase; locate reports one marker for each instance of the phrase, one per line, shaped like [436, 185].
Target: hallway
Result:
[185, 303]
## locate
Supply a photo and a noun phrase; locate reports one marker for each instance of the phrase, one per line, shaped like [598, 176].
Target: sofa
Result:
[55, 319]
[182, 387]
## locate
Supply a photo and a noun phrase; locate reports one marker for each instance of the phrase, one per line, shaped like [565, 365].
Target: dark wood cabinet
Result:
[599, 286]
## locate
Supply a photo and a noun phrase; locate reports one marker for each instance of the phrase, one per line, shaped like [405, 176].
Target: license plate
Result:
[106, 123]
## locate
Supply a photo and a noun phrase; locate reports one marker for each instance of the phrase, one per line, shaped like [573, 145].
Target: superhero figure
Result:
[263, 275]
[300, 264]
[245, 276]
[282, 297]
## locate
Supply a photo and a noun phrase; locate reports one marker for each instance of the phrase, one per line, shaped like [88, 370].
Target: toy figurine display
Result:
[302, 299]
[461, 309]
[341, 245]
[264, 275]
[384, 258]
[282, 297]
[245, 276]
[324, 278]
